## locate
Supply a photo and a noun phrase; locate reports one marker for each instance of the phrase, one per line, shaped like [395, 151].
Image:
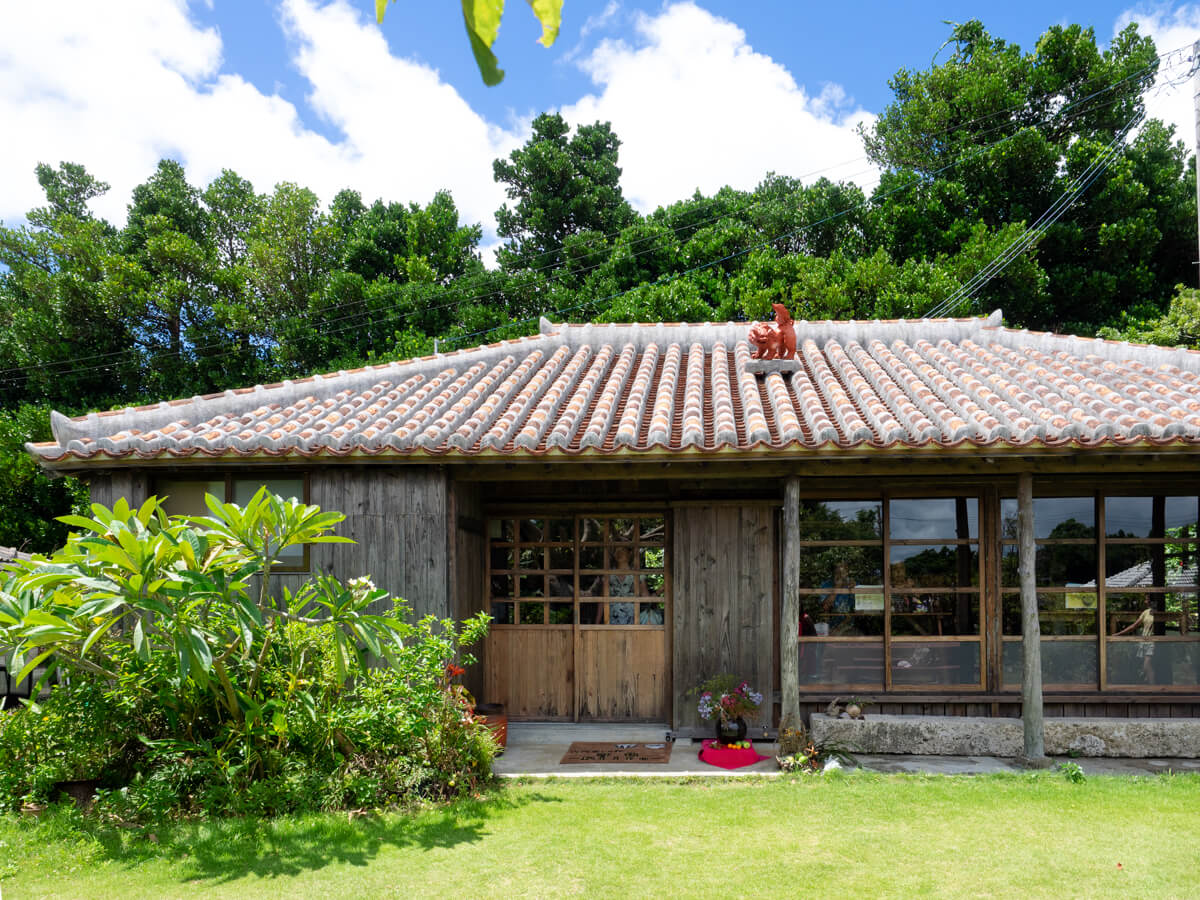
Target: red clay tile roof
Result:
[627, 389]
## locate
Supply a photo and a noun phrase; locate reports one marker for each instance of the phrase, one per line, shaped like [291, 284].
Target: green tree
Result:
[560, 185]
[994, 135]
[59, 335]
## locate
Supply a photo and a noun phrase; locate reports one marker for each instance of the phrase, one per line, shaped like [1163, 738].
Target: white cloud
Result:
[119, 89]
[117, 86]
[696, 107]
[1172, 28]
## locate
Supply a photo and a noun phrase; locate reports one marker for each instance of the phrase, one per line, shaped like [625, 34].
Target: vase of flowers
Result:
[727, 701]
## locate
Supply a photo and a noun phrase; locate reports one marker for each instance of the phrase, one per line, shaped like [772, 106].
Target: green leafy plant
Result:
[230, 699]
[1071, 771]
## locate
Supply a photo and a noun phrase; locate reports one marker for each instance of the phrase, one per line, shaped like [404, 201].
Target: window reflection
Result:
[947, 565]
[1053, 517]
[1150, 517]
[841, 520]
[934, 519]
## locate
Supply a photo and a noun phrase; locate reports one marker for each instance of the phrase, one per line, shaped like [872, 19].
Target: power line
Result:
[1034, 232]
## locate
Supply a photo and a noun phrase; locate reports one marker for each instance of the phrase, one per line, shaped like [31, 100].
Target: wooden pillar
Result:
[1031, 632]
[789, 610]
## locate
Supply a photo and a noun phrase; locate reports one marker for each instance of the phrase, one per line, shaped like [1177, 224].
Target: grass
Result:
[1035, 835]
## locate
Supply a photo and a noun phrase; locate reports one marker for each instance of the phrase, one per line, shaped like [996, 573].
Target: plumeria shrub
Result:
[199, 690]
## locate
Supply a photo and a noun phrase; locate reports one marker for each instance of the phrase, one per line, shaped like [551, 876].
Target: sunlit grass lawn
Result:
[855, 835]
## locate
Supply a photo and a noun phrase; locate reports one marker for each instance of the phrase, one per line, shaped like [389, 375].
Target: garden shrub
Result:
[189, 689]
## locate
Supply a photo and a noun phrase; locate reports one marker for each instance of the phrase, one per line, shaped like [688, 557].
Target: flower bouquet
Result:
[728, 701]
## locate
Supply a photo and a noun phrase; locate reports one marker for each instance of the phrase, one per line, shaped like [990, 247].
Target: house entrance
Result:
[580, 606]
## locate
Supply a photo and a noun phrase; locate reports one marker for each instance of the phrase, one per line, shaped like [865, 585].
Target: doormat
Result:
[606, 752]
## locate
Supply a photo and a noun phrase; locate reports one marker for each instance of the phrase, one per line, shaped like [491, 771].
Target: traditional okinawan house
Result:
[641, 506]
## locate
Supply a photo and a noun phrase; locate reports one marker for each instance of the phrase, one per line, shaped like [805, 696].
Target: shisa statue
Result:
[774, 340]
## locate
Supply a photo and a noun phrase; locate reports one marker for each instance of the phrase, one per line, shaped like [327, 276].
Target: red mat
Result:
[728, 758]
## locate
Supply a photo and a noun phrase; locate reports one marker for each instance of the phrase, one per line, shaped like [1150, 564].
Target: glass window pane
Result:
[500, 530]
[591, 585]
[948, 565]
[843, 615]
[1135, 516]
[1053, 517]
[1070, 613]
[651, 585]
[532, 558]
[651, 613]
[1150, 565]
[562, 613]
[1154, 663]
[501, 558]
[940, 662]
[591, 557]
[561, 585]
[533, 530]
[561, 530]
[622, 585]
[651, 557]
[840, 566]
[562, 558]
[935, 614]
[533, 586]
[502, 585]
[533, 613]
[1171, 614]
[653, 530]
[591, 613]
[621, 530]
[934, 519]
[185, 497]
[841, 664]
[620, 614]
[591, 530]
[1065, 664]
[622, 557]
[841, 520]
[502, 613]
[1056, 565]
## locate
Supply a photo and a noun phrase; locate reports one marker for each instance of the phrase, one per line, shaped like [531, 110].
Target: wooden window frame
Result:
[305, 565]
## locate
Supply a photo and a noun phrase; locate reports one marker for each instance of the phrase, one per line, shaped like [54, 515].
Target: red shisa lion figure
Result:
[775, 340]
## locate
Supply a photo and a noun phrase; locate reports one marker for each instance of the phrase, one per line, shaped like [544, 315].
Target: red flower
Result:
[453, 671]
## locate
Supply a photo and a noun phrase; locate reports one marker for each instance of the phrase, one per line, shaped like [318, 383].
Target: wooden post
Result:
[1031, 632]
[789, 610]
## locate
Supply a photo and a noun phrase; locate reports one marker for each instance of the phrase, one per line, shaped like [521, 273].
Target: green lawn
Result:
[853, 835]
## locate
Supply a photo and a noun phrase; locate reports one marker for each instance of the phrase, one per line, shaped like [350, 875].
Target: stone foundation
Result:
[972, 736]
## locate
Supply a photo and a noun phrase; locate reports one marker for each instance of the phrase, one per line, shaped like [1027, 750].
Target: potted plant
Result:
[727, 701]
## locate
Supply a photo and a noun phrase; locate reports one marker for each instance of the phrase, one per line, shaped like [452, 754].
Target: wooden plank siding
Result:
[723, 575]
[466, 565]
[398, 517]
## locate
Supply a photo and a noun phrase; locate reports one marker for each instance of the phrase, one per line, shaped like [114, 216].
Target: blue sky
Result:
[702, 93]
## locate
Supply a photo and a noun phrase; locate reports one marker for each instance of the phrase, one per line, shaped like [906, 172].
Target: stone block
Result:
[981, 736]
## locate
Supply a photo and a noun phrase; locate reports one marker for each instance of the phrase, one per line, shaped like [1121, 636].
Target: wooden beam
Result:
[789, 613]
[1031, 631]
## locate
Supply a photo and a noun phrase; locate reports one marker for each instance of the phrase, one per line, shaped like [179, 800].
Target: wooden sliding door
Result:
[580, 606]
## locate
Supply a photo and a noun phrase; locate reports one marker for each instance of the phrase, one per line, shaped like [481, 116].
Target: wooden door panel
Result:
[530, 671]
[623, 673]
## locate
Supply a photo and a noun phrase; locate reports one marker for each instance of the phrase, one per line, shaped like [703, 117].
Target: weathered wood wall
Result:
[466, 571]
[133, 485]
[723, 584]
[398, 516]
